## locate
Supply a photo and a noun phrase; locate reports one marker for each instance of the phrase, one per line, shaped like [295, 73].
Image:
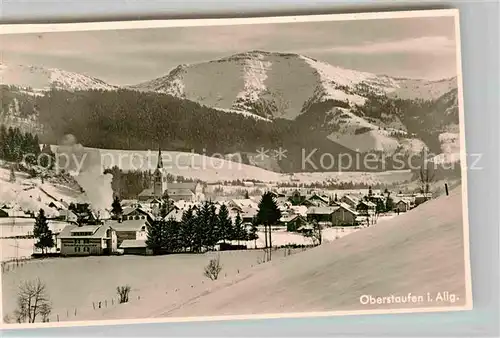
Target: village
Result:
[306, 217]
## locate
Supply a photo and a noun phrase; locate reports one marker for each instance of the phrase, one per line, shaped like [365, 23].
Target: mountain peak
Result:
[42, 78]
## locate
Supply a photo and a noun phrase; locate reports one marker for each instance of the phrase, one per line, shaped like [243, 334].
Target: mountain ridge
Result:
[341, 109]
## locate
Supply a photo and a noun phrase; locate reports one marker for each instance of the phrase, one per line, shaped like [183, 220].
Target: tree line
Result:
[16, 146]
[200, 229]
[129, 184]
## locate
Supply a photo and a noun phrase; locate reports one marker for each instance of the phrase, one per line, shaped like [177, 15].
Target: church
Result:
[186, 191]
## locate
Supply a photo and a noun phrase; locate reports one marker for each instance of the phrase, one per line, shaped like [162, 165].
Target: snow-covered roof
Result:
[321, 210]
[133, 243]
[99, 232]
[129, 225]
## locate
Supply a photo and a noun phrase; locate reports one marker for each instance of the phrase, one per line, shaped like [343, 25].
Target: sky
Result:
[404, 47]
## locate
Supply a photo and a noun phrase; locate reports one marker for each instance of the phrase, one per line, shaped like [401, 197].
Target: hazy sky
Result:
[409, 47]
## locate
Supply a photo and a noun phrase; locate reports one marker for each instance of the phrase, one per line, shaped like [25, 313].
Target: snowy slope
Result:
[395, 257]
[212, 169]
[41, 79]
[30, 194]
[284, 82]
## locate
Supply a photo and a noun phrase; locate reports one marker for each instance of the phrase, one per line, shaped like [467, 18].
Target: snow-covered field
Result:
[20, 248]
[421, 252]
[78, 282]
[166, 275]
[214, 169]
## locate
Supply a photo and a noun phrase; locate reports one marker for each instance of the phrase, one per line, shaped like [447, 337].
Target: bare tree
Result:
[32, 302]
[123, 292]
[315, 233]
[213, 268]
[426, 174]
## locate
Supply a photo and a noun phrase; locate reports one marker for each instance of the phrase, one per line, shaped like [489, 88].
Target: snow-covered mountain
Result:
[292, 86]
[39, 79]
[297, 97]
[283, 81]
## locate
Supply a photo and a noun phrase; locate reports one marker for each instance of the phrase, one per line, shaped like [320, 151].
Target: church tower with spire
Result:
[159, 179]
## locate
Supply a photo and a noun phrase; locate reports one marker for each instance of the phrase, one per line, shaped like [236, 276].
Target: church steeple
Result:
[159, 180]
[160, 161]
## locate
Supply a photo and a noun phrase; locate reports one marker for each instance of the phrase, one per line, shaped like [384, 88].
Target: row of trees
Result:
[199, 229]
[203, 228]
[16, 146]
[129, 184]
[126, 119]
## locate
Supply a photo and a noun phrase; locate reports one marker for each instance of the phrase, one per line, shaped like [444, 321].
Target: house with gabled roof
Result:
[350, 200]
[402, 205]
[130, 214]
[366, 208]
[130, 229]
[87, 240]
[344, 215]
[321, 214]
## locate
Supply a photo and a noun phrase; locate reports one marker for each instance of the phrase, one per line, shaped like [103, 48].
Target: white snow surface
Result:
[40, 78]
[394, 257]
[214, 169]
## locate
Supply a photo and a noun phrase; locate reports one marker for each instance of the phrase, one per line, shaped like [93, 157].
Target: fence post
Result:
[93, 305]
[58, 317]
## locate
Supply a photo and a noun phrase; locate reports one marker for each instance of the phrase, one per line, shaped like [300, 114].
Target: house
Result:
[146, 195]
[68, 216]
[187, 191]
[321, 214]
[129, 214]
[365, 207]
[248, 214]
[344, 215]
[240, 204]
[317, 200]
[350, 200]
[403, 205]
[87, 240]
[56, 205]
[174, 214]
[130, 229]
[296, 198]
[421, 198]
[134, 247]
[292, 222]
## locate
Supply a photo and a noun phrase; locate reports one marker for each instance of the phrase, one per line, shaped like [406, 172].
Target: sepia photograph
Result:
[218, 169]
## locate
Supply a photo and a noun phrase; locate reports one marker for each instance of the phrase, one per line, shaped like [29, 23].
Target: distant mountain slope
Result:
[284, 83]
[238, 104]
[40, 79]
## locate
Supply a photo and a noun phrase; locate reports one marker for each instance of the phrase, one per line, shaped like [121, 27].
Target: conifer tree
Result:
[213, 232]
[225, 225]
[389, 204]
[42, 232]
[188, 223]
[239, 231]
[154, 240]
[252, 235]
[268, 215]
[116, 208]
